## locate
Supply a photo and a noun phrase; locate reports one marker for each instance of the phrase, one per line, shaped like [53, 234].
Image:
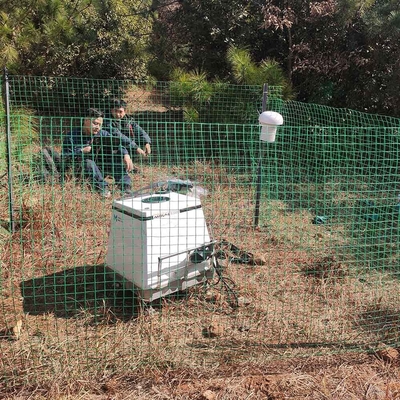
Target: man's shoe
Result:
[127, 193]
[106, 194]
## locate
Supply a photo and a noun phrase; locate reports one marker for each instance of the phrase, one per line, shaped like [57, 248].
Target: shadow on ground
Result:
[381, 322]
[85, 289]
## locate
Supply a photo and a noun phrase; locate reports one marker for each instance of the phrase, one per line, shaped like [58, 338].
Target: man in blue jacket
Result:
[118, 122]
[82, 149]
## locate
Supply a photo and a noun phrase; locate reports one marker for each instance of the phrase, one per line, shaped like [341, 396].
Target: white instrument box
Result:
[152, 242]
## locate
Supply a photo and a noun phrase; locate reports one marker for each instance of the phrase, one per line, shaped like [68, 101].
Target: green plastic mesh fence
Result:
[159, 101]
[173, 273]
[300, 114]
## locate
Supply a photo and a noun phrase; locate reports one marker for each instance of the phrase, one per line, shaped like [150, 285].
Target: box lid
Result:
[156, 205]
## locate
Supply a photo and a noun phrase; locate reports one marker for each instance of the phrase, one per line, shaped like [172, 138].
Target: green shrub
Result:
[24, 134]
[214, 102]
[246, 71]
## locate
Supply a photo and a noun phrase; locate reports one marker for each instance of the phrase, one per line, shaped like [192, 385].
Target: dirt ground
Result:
[306, 325]
[348, 376]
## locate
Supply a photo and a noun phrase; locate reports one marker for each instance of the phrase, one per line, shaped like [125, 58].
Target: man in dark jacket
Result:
[118, 122]
[84, 150]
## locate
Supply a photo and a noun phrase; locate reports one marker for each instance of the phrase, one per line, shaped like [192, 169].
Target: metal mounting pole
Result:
[259, 168]
[9, 166]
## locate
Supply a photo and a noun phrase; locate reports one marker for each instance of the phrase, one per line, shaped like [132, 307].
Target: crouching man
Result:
[81, 151]
[119, 123]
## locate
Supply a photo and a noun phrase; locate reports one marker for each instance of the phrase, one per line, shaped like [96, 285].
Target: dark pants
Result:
[95, 172]
[115, 167]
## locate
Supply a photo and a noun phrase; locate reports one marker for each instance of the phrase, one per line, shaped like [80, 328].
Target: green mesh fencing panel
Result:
[158, 101]
[175, 275]
[300, 114]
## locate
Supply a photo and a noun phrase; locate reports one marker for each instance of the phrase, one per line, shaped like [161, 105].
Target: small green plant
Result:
[190, 114]
[213, 102]
[246, 71]
[24, 133]
[238, 102]
[192, 91]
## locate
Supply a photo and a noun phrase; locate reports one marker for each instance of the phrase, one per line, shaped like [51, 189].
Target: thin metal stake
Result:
[259, 168]
[9, 166]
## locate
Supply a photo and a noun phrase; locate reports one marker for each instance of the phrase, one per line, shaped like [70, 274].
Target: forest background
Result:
[342, 53]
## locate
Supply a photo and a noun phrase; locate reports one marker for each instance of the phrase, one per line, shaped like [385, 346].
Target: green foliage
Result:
[40, 33]
[383, 19]
[191, 85]
[196, 34]
[340, 53]
[202, 101]
[84, 37]
[24, 131]
[118, 33]
[190, 114]
[67, 97]
[23, 126]
[217, 102]
[348, 9]
[245, 71]
[193, 91]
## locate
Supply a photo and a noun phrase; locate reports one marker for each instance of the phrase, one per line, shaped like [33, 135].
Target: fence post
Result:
[259, 168]
[8, 151]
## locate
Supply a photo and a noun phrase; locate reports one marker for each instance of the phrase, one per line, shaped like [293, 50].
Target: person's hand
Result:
[87, 149]
[147, 149]
[128, 162]
[140, 151]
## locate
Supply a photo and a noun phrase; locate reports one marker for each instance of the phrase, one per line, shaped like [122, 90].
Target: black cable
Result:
[215, 252]
[228, 283]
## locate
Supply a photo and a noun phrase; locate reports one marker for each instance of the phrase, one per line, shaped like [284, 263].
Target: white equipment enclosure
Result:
[156, 243]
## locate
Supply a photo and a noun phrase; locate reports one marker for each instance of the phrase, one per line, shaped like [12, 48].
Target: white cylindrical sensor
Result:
[269, 121]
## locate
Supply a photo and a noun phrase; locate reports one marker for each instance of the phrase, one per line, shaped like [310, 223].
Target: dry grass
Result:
[82, 337]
